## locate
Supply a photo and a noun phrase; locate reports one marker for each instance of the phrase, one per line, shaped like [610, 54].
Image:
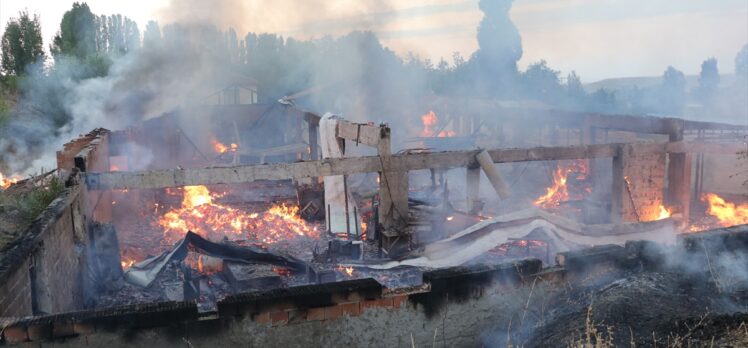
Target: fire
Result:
[6, 182]
[559, 191]
[283, 272]
[728, 214]
[661, 213]
[200, 214]
[664, 213]
[221, 148]
[430, 121]
[347, 271]
[127, 263]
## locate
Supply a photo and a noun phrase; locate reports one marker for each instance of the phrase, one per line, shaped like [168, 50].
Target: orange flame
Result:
[347, 271]
[221, 148]
[664, 213]
[6, 182]
[728, 214]
[430, 121]
[127, 263]
[558, 191]
[200, 214]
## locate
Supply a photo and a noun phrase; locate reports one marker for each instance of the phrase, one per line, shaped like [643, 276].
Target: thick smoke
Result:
[500, 46]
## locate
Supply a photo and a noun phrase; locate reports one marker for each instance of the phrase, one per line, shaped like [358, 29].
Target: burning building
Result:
[259, 226]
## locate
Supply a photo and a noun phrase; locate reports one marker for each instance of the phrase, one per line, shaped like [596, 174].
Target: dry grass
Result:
[593, 336]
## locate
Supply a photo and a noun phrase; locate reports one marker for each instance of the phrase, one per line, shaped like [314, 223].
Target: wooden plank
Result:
[472, 183]
[618, 190]
[393, 187]
[637, 124]
[707, 148]
[336, 166]
[488, 166]
[231, 175]
[357, 132]
[313, 135]
[679, 174]
[700, 125]
[553, 153]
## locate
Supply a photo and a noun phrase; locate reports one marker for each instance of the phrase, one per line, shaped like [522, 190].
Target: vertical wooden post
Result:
[313, 135]
[619, 192]
[393, 187]
[472, 183]
[679, 173]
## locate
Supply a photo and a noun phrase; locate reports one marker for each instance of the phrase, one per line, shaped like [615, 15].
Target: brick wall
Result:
[44, 269]
[639, 182]
[15, 293]
[646, 180]
[58, 263]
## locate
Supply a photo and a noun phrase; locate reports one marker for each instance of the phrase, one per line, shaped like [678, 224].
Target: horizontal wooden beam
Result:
[637, 124]
[399, 163]
[332, 166]
[707, 148]
[553, 153]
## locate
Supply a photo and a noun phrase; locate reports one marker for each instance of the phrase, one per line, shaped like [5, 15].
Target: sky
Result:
[598, 39]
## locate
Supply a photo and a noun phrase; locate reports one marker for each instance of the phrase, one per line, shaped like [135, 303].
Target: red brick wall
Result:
[58, 263]
[52, 271]
[646, 182]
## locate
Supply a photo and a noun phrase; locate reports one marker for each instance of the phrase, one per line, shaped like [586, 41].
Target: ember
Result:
[126, 263]
[200, 214]
[283, 272]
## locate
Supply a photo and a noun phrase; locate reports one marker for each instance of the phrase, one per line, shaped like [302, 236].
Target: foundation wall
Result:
[461, 306]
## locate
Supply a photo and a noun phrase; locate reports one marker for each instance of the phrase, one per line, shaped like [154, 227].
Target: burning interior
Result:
[259, 199]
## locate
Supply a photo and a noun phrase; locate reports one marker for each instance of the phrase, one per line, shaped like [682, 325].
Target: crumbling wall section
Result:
[461, 306]
[41, 272]
[59, 259]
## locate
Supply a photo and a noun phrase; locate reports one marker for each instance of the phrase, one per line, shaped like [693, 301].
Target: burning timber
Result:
[219, 239]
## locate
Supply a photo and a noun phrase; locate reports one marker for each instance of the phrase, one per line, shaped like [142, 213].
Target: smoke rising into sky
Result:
[598, 39]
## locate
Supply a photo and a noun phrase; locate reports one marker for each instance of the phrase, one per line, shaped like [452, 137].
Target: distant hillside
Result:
[624, 83]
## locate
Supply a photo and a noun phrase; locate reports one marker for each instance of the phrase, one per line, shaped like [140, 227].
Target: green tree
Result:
[708, 80]
[672, 91]
[542, 82]
[151, 35]
[78, 33]
[741, 65]
[574, 87]
[21, 43]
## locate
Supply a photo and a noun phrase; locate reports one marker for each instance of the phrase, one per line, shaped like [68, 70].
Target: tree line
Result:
[357, 61]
